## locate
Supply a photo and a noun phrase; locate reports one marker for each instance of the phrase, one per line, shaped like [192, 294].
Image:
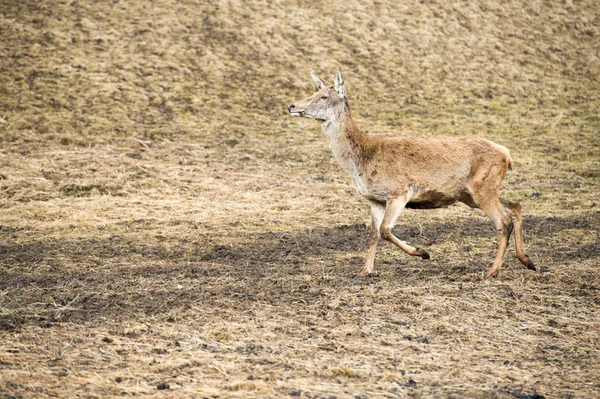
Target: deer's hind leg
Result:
[504, 225]
[485, 193]
[513, 209]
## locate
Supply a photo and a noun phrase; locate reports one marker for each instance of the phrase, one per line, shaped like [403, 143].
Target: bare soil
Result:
[167, 230]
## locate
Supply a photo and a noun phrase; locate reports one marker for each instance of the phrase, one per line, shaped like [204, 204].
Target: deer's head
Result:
[323, 104]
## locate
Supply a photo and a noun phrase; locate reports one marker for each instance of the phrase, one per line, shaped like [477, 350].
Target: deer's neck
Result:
[348, 144]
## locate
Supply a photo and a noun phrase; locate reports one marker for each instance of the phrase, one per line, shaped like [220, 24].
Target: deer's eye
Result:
[323, 97]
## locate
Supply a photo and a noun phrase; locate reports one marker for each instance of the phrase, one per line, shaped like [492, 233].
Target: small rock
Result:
[163, 385]
[424, 340]
[524, 395]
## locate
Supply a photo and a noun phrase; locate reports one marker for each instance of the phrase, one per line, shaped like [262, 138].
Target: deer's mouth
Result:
[296, 113]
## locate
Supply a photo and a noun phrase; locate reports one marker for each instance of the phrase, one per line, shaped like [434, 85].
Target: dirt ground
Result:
[167, 230]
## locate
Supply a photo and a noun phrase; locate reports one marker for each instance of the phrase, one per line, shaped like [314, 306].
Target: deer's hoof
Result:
[424, 254]
[530, 265]
[365, 273]
[491, 274]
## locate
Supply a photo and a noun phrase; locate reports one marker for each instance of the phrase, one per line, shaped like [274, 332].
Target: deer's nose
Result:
[291, 107]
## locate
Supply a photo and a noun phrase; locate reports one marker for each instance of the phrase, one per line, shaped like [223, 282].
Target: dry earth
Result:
[167, 230]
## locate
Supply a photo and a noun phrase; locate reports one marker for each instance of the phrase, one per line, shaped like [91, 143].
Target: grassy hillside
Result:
[164, 220]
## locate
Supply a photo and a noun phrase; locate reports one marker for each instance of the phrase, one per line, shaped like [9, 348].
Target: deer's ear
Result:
[320, 84]
[338, 82]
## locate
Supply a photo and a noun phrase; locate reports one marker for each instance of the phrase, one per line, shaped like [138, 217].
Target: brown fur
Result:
[394, 172]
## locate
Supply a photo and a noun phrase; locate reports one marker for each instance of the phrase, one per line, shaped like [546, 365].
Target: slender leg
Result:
[377, 212]
[485, 193]
[392, 213]
[504, 225]
[514, 211]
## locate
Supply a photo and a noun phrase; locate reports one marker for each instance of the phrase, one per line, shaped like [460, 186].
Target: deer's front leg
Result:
[392, 213]
[377, 212]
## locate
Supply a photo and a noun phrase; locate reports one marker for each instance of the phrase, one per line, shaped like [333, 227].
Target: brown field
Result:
[163, 221]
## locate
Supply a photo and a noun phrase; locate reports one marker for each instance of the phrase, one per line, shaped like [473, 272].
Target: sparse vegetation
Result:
[164, 222]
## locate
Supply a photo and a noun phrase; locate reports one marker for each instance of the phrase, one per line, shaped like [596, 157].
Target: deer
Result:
[394, 172]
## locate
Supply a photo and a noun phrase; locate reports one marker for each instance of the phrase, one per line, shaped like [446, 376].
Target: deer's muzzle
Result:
[292, 111]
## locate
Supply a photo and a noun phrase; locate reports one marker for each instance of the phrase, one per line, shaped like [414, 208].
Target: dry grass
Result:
[162, 220]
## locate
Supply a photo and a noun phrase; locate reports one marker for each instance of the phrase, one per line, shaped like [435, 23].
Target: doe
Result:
[395, 172]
